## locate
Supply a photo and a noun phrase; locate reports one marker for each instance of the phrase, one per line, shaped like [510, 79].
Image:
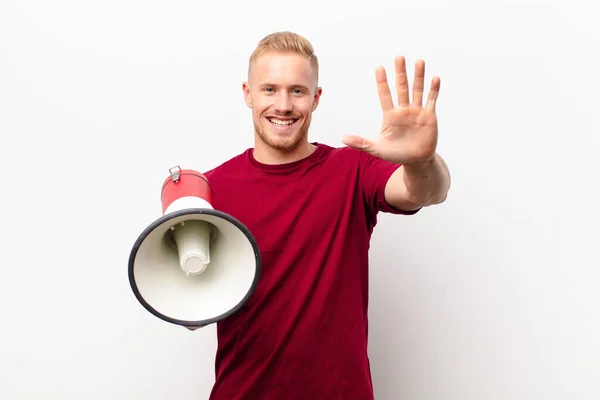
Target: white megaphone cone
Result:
[195, 265]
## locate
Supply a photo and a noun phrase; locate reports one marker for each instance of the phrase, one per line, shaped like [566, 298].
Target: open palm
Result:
[410, 131]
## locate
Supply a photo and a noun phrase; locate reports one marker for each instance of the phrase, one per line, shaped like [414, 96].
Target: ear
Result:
[316, 98]
[247, 95]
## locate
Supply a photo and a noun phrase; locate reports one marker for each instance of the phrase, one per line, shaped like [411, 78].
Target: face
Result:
[282, 93]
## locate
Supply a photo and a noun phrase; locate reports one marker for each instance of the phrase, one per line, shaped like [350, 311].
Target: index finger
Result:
[383, 89]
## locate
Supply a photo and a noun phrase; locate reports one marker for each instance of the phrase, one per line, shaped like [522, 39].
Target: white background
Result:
[492, 295]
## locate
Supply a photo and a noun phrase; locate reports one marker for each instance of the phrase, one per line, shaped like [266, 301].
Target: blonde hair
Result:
[286, 42]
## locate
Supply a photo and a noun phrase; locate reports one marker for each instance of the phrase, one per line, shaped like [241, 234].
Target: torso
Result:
[303, 333]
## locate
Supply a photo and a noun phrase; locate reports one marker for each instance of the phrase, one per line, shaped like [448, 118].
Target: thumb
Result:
[359, 143]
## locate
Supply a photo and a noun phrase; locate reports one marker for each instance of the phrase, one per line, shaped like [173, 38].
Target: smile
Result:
[281, 122]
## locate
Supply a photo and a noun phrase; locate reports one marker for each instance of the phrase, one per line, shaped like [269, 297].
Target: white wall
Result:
[493, 295]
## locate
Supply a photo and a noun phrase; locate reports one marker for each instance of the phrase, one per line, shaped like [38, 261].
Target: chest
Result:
[285, 213]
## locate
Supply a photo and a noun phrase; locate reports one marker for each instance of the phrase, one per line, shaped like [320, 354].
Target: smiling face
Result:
[282, 93]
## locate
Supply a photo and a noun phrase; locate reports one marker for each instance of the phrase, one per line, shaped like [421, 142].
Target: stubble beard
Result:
[284, 144]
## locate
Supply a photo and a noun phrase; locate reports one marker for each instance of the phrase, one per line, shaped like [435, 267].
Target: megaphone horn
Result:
[194, 265]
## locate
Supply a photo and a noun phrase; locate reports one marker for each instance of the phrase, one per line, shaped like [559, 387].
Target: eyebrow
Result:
[295, 85]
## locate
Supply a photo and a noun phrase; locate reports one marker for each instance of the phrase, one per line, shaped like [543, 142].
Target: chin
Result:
[282, 139]
[286, 144]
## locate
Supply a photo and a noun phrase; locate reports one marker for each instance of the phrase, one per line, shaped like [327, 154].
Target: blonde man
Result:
[312, 209]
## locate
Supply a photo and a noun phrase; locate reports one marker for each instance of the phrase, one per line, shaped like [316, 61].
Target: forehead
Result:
[282, 69]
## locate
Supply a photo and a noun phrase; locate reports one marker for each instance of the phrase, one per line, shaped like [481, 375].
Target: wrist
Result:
[420, 167]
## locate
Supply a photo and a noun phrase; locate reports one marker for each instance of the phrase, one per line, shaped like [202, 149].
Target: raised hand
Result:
[410, 131]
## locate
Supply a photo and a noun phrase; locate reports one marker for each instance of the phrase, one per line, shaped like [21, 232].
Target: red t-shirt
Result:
[302, 335]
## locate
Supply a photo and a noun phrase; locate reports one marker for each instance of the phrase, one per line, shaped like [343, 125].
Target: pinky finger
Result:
[433, 94]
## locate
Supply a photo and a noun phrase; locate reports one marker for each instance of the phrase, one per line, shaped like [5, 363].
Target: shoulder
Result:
[342, 154]
[337, 159]
[348, 153]
[233, 166]
[347, 157]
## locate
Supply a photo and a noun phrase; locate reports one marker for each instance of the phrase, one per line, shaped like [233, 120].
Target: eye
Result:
[298, 91]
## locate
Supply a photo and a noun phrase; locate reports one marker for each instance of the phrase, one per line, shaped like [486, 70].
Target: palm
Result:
[409, 131]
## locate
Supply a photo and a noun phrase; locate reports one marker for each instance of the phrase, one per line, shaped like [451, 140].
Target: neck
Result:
[268, 155]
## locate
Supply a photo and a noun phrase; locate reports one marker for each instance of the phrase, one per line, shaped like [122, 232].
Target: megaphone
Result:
[194, 265]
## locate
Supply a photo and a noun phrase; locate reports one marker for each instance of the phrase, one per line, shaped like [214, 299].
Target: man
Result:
[312, 208]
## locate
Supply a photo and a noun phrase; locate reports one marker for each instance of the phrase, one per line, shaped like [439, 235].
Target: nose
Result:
[283, 104]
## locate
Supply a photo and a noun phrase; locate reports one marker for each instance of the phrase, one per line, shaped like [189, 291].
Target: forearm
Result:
[426, 183]
[413, 186]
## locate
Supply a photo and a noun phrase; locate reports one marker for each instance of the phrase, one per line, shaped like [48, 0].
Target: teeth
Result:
[280, 122]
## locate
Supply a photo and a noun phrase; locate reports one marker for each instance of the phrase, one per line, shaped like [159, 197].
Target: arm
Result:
[417, 185]
[408, 139]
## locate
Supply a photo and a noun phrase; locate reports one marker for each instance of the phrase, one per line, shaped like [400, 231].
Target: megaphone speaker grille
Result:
[194, 266]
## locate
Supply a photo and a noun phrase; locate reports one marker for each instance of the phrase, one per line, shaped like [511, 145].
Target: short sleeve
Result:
[374, 174]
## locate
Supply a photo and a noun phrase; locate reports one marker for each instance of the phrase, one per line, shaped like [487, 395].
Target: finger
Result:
[401, 81]
[383, 89]
[419, 83]
[433, 94]
[193, 328]
[359, 143]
